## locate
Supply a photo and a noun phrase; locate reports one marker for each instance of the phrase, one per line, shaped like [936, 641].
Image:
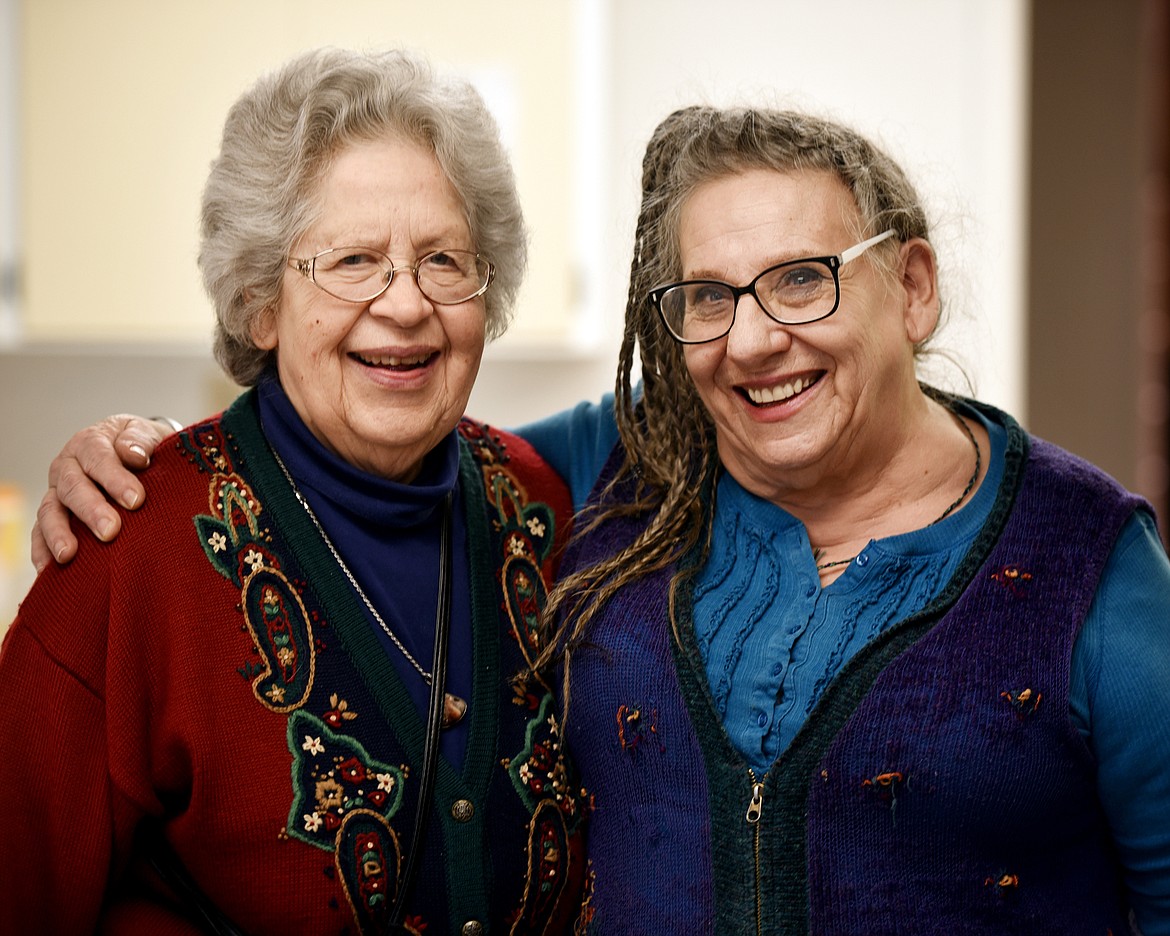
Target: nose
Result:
[402, 301]
[753, 333]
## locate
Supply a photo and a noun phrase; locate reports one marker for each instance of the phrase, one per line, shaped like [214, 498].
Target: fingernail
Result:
[105, 528]
[39, 566]
[58, 550]
[130, 499]
[138, 450]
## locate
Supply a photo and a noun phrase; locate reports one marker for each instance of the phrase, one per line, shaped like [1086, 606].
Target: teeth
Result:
[390, 361]
[780, 392]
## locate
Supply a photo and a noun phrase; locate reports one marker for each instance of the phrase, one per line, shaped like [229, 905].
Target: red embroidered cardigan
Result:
[212, 668]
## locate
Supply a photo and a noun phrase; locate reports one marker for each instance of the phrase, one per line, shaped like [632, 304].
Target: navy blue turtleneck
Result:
[388, 535]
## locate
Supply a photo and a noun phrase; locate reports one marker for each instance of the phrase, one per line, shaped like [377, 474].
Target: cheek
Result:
[467, 335]
[701, 363]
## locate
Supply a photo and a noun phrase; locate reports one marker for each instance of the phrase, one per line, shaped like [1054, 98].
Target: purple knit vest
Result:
[959, 798]
[938, 787]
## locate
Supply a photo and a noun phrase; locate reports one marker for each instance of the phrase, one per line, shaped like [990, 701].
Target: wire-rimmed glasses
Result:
[362, 274]
[795, 292]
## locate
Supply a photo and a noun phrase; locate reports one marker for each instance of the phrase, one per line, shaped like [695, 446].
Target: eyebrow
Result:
[777, 260]
[447, 238]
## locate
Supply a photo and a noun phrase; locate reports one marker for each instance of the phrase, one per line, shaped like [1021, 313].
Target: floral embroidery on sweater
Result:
[333, 775]
[343, 799]
[238, 547]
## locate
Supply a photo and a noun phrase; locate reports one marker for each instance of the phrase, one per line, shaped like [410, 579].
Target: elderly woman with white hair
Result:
[282, 701]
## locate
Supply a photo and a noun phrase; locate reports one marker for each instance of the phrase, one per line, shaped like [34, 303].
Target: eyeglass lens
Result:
[792, 294]
[358, 274]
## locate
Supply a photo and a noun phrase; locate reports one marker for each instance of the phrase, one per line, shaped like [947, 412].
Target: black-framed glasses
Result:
[362, 274]
[795, 292]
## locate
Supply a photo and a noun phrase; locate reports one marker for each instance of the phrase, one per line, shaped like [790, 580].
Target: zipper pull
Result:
[757, 804]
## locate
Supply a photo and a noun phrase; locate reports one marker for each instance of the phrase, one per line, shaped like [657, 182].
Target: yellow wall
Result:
[122, 106]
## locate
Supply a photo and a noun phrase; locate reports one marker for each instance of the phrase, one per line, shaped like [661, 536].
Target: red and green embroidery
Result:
[343, 799]
[238, 547]
[525, 529]
[334, 776]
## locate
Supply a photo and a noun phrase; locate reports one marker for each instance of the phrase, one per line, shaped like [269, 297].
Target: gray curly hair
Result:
[278, 142]
[669, 437]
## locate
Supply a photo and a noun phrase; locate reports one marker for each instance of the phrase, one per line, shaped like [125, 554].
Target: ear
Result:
[920, 286]
[263, 330]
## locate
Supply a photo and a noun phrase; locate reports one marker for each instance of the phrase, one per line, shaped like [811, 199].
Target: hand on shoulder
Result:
[94, 469]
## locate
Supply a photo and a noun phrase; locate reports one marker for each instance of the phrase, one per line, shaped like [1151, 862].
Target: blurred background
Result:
[1036, 130]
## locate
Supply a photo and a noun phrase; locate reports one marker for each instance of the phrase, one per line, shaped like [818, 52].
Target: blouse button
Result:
[762, 719]
[863, 560]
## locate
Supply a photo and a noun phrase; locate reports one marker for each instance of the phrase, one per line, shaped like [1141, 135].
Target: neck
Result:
[907, 480]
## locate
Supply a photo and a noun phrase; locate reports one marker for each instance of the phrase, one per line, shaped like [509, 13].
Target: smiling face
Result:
[804, 405]
[379, 383]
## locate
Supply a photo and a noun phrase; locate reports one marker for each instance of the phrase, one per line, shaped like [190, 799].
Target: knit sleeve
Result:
[61, 811]
[1120, 695]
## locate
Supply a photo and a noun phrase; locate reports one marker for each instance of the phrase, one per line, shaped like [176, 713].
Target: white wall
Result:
[940, 83]
[579, 87]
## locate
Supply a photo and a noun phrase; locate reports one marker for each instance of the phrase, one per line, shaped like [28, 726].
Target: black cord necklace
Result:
[821, 566]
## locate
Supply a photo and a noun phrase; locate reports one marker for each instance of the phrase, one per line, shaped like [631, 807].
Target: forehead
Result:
[763, 215]
[385, 191]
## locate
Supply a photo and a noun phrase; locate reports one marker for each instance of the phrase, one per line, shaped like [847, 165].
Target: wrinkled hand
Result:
[92, 470]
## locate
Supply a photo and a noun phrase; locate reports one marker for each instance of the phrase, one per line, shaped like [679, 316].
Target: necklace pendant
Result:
[454, 708]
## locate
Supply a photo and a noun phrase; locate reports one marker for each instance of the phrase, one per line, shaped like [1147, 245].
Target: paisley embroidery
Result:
[368, 859]
[343, 799]
[237, 545]
[541, 774]
[280, 629]
[333, 776]
[551, 852]
[526, 531]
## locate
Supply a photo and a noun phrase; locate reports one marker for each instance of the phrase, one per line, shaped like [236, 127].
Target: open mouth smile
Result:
[762, 396]
[390, 362]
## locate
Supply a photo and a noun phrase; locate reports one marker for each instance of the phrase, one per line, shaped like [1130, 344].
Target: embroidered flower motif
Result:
[338, 713]
[313, 745]
[515, 545]
[275, 694]
[312, 822]
[352, 770]
[286, 656]
[1005, 884]
[636, 726]
[217, 542]
[522, 696]
[535, 527]
[328, 794]
[525, 772]
[254, 559]
[1013, 578]
[385, 782]
[1025, 702]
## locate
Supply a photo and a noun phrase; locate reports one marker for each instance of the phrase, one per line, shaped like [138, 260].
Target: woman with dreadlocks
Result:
[841, 653]
[844, 654]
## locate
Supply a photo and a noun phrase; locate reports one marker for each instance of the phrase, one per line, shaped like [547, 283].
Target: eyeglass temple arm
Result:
[856, 251]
